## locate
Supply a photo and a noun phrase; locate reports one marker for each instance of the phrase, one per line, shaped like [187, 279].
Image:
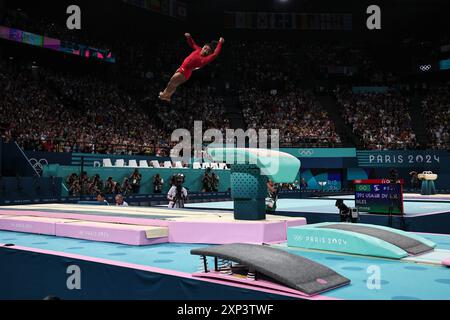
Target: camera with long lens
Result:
[347, 214]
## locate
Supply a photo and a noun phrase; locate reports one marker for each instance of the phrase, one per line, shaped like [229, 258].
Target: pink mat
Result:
[201, 231]
[228, 232]
[131, 235]
[253, 283]
[89, 217]
[446, 262]
[30, 225]
[104, 233]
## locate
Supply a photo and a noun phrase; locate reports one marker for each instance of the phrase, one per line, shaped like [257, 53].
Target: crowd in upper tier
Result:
[299, 117]
[380, 120]
[436, 113]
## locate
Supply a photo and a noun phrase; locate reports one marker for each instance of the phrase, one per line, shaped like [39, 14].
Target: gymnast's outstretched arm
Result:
[216, 53]
[191, 41]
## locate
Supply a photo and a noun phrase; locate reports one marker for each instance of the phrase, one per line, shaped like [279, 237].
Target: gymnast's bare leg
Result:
[176, 80]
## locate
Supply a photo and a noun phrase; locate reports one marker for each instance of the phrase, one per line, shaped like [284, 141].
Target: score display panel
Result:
[379, 196]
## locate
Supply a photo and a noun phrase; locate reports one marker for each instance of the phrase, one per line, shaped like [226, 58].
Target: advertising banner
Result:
[55, 44]
[402, 159]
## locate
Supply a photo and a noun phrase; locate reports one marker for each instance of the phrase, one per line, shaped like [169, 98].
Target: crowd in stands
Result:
[91, 114]
[299, 117]
[381, 120]
[66, 113]
[346, 59]
[60, 111]
[265, 64]
[270, 78]
[436, 113]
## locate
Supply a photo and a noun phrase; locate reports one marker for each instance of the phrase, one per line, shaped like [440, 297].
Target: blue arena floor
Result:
[399, 281]
[328, 206]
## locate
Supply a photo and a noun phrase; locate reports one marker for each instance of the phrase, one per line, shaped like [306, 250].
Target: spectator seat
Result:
[222, 166]
[107, 163]
[132, 164]
[179, 165]
[206, 165]
[214, 166]
[167, 164]
[143, 164]
[120, 163]
[196, 165]
[155, 164]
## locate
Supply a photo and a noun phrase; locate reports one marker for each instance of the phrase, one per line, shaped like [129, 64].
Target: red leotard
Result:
[196, 60]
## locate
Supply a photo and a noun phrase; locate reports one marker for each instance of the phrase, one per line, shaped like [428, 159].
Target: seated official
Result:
[272, 197]
[120, 202]
[102, 199]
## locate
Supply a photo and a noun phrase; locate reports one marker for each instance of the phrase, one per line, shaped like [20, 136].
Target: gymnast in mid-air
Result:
[200, 57]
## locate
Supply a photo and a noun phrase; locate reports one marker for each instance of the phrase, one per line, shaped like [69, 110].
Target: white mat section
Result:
[435, 257]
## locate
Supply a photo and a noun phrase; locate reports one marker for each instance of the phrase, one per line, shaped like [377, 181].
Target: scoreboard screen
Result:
[379, 196]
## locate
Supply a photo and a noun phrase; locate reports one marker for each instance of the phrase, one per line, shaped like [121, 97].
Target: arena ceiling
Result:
[401, 18]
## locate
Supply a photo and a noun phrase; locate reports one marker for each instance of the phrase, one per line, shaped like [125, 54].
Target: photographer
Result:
[116, 188]
[95, 186]
[75, 188]
[344, 211]
[135, 179]
[158, 183]
[215, 182]
[126, 187]
[109, 186]
[177, 194]
[98, 181]
[207, 181]
[71, 179]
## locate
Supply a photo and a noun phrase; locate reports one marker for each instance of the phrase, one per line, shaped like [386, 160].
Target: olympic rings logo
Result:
[425, 67]
[38, 165]
[306, 152]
